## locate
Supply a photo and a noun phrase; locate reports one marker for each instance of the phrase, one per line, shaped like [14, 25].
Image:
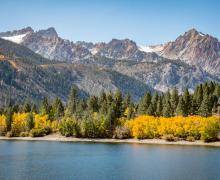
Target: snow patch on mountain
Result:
[16, 39]
[93, 51]
[149, 49]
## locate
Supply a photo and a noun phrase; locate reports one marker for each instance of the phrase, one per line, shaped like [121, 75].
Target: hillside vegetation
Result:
[171, 116]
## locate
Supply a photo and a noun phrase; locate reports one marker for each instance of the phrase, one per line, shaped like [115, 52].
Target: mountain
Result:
[28, 76]
[195, 48]
[191, 59]
[48, 44]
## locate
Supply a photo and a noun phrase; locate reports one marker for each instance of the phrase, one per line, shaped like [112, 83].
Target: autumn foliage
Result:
[143, 127]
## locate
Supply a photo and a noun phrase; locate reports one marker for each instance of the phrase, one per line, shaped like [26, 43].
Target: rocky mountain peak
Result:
[17, 32]
[194, 47]
[125, 43]
[192, 32]
[118, 49]
[50, 32]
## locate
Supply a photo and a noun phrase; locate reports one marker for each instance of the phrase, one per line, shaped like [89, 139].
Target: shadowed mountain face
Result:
[57, 64]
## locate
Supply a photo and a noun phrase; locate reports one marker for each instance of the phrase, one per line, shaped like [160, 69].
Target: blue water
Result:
[60, 160]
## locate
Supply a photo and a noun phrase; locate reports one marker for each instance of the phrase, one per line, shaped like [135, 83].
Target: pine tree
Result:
[211, 87]
[126, 102]
[174, 100]
[214, 109]
[194, 106]
[34, 108]
[144, 103]
[93, 104]
[198, 94]
[187, 101]
[167, 110]
[150, 110]
[9, 118]
[81, 108]
[45, 106]
[131, 112]
[118, 104]
[205, 109]
[217, 91]
[154, 102]
[111, 115]
[159, 109]
[30, 121]
[180, 110]
[109, 99]
[102, 101]
[72, 101]
[58, 108]
[27, 107]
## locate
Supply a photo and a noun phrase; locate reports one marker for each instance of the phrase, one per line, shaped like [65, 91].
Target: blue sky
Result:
[146, 22]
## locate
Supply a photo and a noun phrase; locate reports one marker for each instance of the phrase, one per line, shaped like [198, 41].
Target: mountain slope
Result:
[191, 59]
[15, 51]
[26, 75]
[195, 48]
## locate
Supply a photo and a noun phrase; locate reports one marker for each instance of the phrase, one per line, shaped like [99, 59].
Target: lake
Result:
[98, 161]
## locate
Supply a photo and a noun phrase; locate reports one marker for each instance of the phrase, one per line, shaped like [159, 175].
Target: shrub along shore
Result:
[170, 116]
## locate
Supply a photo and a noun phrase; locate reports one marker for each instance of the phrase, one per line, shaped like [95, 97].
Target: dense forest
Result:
[171, 115]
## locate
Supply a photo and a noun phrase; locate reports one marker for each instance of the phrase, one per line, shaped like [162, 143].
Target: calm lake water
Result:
[61, 160]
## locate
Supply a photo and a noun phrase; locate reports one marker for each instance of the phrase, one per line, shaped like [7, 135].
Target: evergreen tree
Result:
[217, 91]
[150, 110]
[27, 107]
[45, 106]
[214, 109]
[130, 112]
[111, 115]
[144, 103]
[81, 108]
[167, 110]
[198, 94]
[9, 118]
[126, 102]
[187, 101]
[15, 108]
[194, 106]
[34, 108]
[102, 98]
[109, 99]
[93, 104]
[174, 100]
[72, 101]
[118, 104]
[58, 108]
[154, 102]
[211, 87]
[168, 95]
[205, 109]
[181, 110]
[159, 109]
[30, 121]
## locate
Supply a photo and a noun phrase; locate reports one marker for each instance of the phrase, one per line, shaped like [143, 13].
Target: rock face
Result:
[48, 44]
[26, 75]
[192, 58]
[195, 48]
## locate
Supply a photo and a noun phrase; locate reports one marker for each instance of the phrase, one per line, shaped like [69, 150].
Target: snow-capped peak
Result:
[148, 49]
[16, 38]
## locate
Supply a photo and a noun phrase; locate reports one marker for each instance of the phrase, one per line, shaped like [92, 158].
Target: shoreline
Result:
[60, 138]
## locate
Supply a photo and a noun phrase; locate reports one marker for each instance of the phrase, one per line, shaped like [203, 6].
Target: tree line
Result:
[104, 115]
